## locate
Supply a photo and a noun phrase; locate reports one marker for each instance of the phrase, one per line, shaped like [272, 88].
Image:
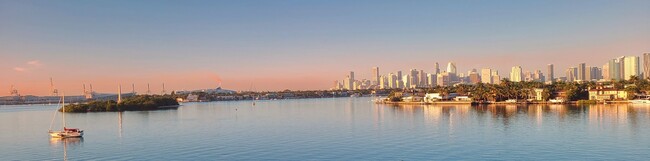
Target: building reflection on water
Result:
[622, 114]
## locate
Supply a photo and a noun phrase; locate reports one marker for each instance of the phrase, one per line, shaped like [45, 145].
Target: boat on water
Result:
[65, 132]
[639, 101]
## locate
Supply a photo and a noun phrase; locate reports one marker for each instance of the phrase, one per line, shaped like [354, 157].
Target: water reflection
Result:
[65, 142]
[537, 114]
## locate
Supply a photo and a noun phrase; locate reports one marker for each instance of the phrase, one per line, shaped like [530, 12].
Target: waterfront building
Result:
[486, 75]
[550, 72]
[601, 93]
[646, 65]
[516, 74]
[375, 75]
[581, 72]
[631, 67]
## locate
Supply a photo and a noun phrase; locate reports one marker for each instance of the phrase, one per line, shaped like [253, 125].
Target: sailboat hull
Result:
[64, 134]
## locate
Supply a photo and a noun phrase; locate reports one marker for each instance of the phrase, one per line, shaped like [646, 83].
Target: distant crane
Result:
[55, 92]
[163, 89]
[148, 89]
[13, 91]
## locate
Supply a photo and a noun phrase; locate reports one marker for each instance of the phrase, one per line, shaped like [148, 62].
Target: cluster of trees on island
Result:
[134, 103]
[572, 91]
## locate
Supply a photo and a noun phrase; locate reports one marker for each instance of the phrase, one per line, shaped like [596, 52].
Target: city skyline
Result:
[306, 46]
[618, 68]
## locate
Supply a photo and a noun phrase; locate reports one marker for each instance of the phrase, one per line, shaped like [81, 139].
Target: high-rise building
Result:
[351, 81]
[588, 73]
[614, 66]
[423, 78]
[631, 67]
[646, 65]
[550, 73]
[443, 79]
[436, 69]
[516, 74]
[432, 80]
[407, 81]
[451, 67]
[474, 78]
[383, 82]
[496, 79]
[375, 76]
[605, 72]
[571, 74]
[528, 76]
[596, 73]
[581, 72]
[538, 76]
[413, 78]
[486, 75]
[392, 81]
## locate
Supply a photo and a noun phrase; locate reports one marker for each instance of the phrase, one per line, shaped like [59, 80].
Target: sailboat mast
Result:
[63, 97]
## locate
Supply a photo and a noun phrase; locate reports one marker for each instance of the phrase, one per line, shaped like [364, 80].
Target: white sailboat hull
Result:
[66, 134]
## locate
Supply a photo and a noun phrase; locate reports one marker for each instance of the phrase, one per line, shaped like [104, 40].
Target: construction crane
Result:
[55, 92]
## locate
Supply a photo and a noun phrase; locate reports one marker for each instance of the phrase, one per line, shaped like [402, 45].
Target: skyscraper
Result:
[614, 69]
[516, 74]
[423, 78]
[588, 73]
[413, 78]
[551, 75]
[496, 79]
[486, 75]
[605, 72]
[451, 67]
[375, 76]
[631, 67]
[571, 74]
[646, 65]
[581, 72]
[437, 68]
[350, 81]
[474, 77]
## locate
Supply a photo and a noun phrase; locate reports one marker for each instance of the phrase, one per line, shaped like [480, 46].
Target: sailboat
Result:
[66, 132]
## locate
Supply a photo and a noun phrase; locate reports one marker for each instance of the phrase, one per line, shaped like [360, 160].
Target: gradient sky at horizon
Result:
[299, 45]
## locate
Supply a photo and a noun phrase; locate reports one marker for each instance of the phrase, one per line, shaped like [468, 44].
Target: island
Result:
[134, 103]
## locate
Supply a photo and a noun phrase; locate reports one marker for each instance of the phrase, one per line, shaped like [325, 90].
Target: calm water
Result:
[333, 129]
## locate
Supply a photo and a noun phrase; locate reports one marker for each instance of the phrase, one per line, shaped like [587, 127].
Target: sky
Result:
[299, 45]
